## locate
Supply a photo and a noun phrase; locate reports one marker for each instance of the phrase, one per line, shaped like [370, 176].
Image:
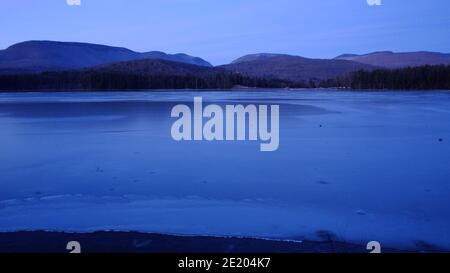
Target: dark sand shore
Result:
[134, 242]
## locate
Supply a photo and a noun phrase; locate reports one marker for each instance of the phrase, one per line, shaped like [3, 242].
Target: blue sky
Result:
[222, 30]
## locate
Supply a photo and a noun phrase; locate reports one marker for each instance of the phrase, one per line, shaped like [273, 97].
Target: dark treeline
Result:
[88, 80]
[424, 77]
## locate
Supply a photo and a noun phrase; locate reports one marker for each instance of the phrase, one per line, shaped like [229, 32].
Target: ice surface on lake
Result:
[360, 165]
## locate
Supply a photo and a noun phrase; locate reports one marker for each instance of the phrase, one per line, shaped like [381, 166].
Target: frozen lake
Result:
[356, 166]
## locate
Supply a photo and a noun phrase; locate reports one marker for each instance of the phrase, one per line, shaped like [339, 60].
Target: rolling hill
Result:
[154, 67]
[293, 68]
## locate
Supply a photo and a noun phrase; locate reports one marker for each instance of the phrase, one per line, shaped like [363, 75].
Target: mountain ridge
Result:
[43, 55]
[47, 56]
[389, 59]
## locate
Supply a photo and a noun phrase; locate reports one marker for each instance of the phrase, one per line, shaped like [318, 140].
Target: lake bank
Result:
[219, 90]
[136, 242]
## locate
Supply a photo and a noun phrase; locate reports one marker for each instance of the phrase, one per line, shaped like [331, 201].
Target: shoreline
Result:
[138, 242]
[255, 90]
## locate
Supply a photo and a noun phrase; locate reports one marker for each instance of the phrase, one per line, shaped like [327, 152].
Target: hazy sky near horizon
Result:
[220, 31]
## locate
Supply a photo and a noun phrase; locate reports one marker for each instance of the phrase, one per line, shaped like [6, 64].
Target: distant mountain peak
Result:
[389, 59]
[48, 43]
[382, 52]
[346, 55]
[257, 56]
[38, 56]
